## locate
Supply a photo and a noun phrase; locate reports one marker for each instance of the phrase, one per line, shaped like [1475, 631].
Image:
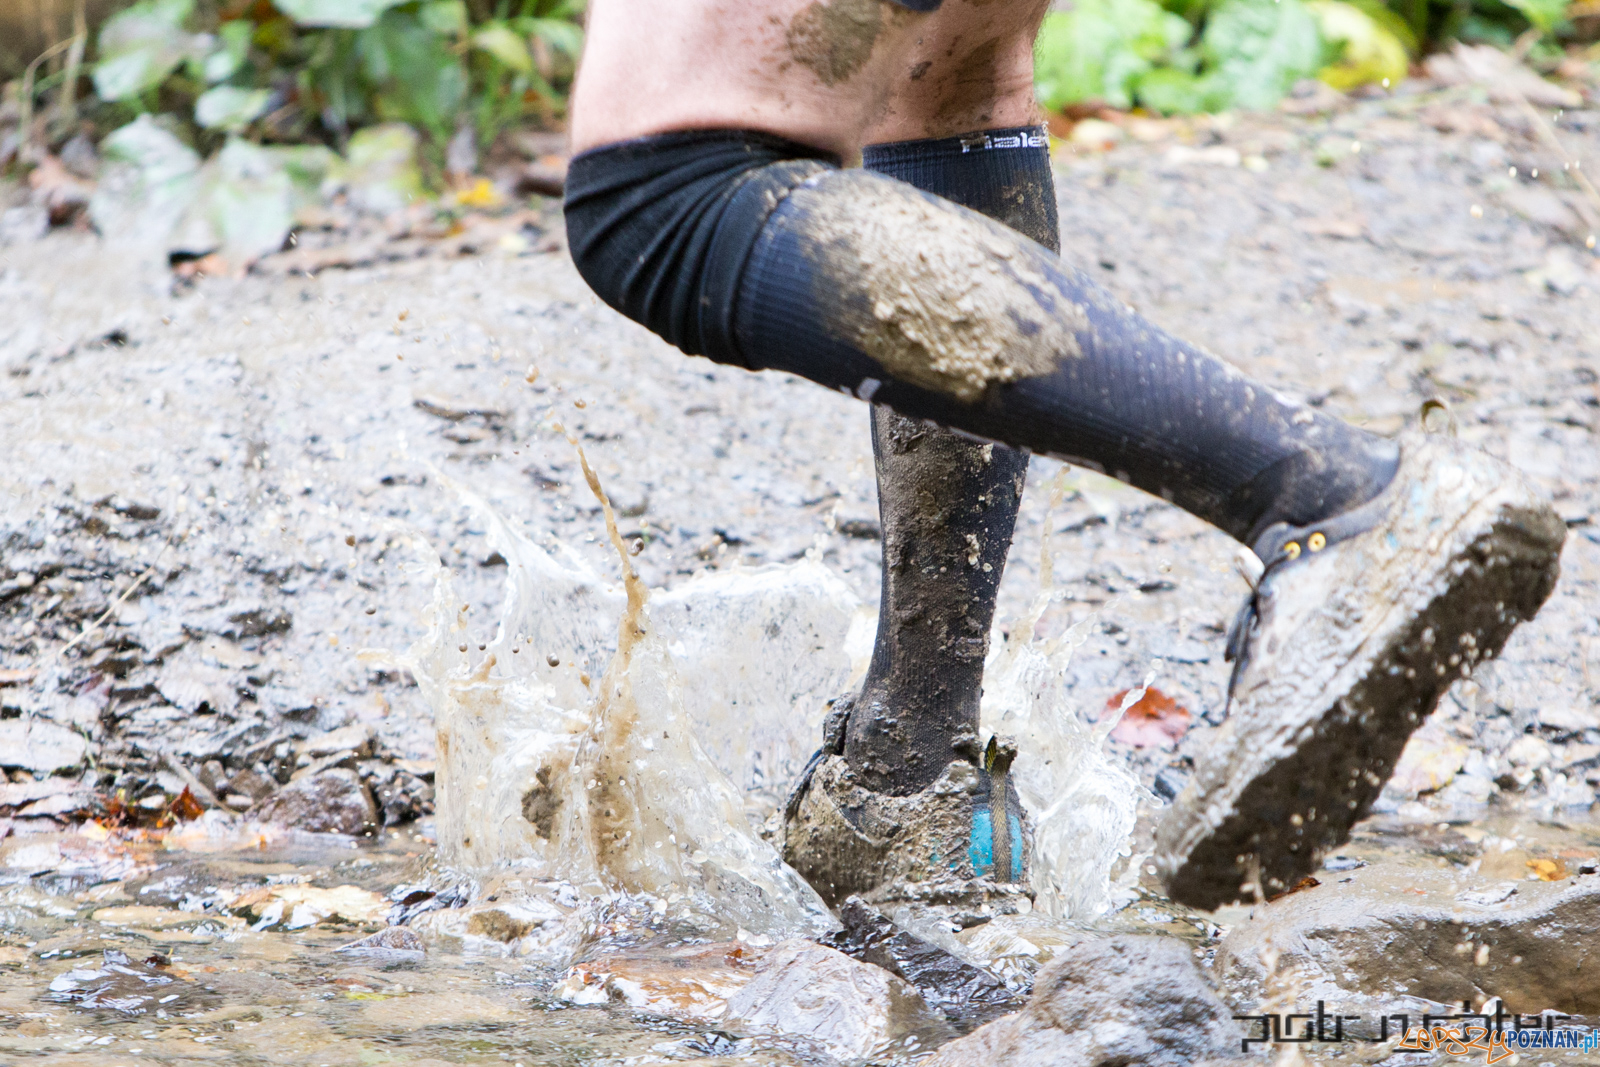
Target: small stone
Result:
[333, 802]
[356, 738]
[692, 982]
[1121, 1000]
[252, 783]
[393, 943]
[851, 1009]
[40, 746]
[295, 907]
[258, 621]
[1529, 751]
[965, 994]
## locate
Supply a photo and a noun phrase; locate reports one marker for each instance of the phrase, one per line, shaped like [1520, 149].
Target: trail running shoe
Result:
[936, 847]
[1356, 627]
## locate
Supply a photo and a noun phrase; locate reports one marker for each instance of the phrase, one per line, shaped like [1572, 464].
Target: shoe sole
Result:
[1277, 789]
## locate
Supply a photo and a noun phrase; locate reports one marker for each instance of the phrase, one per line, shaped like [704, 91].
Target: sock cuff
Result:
[1003, 173]
[1001, 139]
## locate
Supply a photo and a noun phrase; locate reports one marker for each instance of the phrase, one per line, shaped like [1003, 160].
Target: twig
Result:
[197, 788]
[1524, 43]
[25, 103]
[1547, 133]
[115, 604]
[67, 102]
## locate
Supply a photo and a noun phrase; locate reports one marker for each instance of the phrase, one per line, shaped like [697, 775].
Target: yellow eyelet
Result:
[1292, 550]
[1316, 542]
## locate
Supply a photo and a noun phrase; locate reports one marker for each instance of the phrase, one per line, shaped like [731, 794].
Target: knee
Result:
[660, 227]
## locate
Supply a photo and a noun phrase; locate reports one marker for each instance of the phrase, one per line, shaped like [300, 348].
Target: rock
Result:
[400, 795]
[130, 988]
[297, 906]
[693, 982]
[1529, 751]
[15, 796]
[39, 746]
[1570, 717]
[333, 802]
[25, 224]
[356, 738]
[252, 783]
[198, 687]
[1442, 936]
[966, 995]
[237, 623]
[851, 1009]
[1504, 78]
[392, 944]
[1120, 1000]
[1429, 762]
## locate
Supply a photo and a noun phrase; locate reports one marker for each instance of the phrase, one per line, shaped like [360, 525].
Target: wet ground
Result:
[214, 490]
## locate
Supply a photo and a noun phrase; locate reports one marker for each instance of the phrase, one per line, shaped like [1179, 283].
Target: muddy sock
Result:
[760, 252]
[948, 504]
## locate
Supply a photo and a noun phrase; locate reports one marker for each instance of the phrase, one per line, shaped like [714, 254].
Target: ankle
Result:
[1314, 484]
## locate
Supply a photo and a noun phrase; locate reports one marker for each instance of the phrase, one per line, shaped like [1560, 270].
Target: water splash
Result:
[601, 784]
[1084, 803]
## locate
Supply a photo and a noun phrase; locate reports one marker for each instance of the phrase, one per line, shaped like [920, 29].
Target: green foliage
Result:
[139, 47]
[1542, 14]
[1248, 54]
[1103, 48]
[1370, 51]
[1184, 56]
[319, 70]
[1257, 49]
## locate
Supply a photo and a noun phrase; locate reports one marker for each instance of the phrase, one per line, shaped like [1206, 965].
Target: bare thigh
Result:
[832, 74]
[969, 68]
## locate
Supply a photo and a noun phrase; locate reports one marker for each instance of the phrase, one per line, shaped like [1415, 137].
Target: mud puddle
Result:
[126, 951]
[181, 964]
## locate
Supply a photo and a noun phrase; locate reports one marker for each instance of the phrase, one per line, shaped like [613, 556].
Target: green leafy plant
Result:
[1201, 55]
[320, 69]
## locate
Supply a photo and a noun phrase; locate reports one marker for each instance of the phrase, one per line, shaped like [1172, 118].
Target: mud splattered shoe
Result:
[937, 847]
[1356, 628]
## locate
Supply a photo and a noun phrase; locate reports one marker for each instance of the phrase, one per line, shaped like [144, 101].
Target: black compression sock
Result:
[757, 251]
[948, 504]
[876, 289]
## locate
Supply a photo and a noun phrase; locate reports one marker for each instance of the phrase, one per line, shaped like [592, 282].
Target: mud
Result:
[834, 40]
[948, 506]
[953, 302]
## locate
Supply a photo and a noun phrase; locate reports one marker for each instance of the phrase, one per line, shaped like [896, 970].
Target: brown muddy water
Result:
[216, 495]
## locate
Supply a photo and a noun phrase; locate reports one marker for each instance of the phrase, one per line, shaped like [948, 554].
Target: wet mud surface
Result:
[214, 495]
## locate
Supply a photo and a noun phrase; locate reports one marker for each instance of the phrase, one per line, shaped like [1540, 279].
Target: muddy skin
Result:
[968, 63]
[948, 507]
[835, 40]
[969, 91]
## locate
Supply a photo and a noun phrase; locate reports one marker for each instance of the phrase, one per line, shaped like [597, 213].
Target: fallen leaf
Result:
[1155, 721]
[1548, 870]
[480, 194]
[185, 807]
